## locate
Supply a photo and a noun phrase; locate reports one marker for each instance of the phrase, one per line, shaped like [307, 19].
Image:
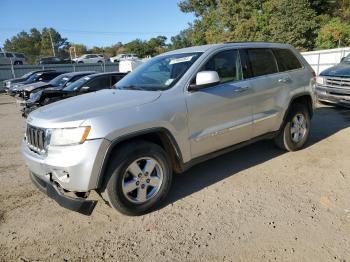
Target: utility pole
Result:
[53, 48]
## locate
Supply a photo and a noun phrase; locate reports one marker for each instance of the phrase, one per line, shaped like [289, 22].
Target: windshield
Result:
[59, 80]
[33, 78]
[346, 59]
[77, 84]
[160, 73]
[27, 74]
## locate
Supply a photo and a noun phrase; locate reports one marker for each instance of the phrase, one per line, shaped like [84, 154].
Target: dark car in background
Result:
[10, 82]
[57, 83]
[53, 60]
[37, 77]
[333, 84]
[87, 84]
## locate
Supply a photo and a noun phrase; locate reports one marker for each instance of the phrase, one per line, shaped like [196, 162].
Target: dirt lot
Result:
[254, 204]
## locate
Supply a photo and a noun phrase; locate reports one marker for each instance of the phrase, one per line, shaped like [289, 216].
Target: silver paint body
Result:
[201, 122]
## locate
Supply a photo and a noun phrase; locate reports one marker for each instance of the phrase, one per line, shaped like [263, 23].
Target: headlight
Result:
[320, 80]
[35, 96]
[69, 136]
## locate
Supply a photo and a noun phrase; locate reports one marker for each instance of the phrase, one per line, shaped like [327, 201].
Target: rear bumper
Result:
[333, 95]
[78, 204]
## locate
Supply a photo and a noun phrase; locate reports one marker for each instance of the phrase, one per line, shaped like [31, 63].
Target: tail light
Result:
[313, 75]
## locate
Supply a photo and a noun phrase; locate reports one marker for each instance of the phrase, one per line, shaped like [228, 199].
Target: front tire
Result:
[138, 178]
[295, 130]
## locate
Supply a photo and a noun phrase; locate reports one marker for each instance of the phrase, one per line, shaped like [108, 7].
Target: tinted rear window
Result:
[286, 60]
[262, 61]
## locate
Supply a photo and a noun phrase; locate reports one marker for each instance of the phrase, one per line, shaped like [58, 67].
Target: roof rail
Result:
[263, 42]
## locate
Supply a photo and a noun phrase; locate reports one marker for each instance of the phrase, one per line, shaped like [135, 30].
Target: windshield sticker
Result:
[169, 81]
[86, 78]
[180, 60]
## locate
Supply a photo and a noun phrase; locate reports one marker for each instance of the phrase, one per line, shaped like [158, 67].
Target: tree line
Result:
[306, 24]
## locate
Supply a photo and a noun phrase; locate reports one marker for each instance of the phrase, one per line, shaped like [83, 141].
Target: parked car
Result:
[37, 77]
[8, 58]
[87, 84]
[57, 83]
[174, 111]
[117, 58]
[53, 60]
[10, 82]
[93, 58]
[333, 84]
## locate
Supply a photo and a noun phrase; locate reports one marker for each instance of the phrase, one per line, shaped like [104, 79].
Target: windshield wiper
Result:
[131, 87]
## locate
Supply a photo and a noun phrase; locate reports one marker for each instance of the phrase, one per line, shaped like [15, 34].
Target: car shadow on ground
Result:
[326, 122]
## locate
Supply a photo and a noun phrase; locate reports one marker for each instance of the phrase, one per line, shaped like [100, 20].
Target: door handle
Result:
[241, 89]
[284, 80]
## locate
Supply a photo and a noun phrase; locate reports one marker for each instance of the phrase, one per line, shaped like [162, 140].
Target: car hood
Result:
[15, 80]
[31, 87]
[340, 70]
[77, 109]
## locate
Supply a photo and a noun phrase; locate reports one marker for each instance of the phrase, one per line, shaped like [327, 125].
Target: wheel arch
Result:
[302, 98]
[160, 136]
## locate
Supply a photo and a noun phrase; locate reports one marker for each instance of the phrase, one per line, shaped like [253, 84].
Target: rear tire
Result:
[129, 187]
[295, 130]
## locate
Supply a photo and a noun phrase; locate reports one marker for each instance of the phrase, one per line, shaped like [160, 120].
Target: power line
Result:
[12, 29]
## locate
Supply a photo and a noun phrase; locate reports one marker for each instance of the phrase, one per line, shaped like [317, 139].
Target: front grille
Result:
[338, 82]
[36, 139]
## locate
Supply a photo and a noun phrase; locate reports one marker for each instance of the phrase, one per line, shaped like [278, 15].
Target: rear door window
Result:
[115, 79]
[261, 61]
[99, 83]
[286, 60]
[227, 64]
[19, 55]
[9, 55]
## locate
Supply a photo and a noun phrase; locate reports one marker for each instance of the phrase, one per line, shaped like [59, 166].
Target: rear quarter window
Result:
[286, 60]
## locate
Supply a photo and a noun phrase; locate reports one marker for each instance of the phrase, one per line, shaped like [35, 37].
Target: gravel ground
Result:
[255, 204]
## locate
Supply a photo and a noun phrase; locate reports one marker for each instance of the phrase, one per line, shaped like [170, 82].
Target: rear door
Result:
[269, 86]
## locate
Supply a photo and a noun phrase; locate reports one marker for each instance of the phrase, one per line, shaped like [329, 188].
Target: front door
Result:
[220, 116]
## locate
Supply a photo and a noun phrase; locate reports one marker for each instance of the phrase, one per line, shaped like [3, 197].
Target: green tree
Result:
[181, 40]
[335, 33]
[27, 43]
[287, 21]
[59, 43]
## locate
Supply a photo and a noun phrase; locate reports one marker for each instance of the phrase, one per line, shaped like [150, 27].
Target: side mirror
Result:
[341, 60]
[205, 79]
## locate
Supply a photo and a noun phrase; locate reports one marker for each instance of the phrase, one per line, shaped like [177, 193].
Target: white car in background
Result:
[89, 58]
[118, 58]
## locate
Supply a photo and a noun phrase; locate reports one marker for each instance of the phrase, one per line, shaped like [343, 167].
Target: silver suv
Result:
[8, 58]
[176, 110]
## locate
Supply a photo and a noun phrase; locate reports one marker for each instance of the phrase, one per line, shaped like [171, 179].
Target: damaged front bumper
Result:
[78, 204]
